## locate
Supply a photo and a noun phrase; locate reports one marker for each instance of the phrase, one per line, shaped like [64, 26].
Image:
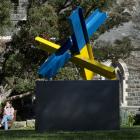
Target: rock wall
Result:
[133, 62]
[19, 11]
[131, 29]
[133, 90]
[24, 124]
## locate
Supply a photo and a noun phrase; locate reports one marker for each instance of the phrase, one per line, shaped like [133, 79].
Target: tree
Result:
[48, 19]
[12, 82]
[120, 49]
[5, 6]
[68, 72]
[21, 59]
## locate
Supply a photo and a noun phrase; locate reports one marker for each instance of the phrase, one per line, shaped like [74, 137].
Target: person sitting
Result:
[8, 115]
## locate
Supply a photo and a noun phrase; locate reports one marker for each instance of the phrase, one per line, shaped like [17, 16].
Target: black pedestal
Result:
[77, 105]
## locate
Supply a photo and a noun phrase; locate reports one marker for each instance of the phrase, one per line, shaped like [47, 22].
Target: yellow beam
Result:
[52, 47]
[90, 52]
[86, 74]
[95, 66]
[47, 45]
[81, 60]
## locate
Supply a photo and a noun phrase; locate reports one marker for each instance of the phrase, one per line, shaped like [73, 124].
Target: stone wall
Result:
[131, 29]
[133, 90]
[24, 124]
[19, 12]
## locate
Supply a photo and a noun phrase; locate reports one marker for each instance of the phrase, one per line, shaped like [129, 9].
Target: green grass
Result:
[123, 134]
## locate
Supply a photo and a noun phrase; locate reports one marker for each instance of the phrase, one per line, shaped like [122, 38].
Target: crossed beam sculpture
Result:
[77, 48]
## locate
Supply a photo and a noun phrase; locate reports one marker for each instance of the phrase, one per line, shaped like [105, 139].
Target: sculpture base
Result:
[77, 105]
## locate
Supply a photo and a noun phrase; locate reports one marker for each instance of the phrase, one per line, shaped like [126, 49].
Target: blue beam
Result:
[57, 60]
[94, 21]
[82, 31]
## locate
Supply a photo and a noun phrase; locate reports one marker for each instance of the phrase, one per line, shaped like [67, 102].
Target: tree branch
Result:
[19, 96]
[4, 94]
[66, 6]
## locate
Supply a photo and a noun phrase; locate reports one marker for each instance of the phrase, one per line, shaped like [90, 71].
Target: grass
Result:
[123, 134]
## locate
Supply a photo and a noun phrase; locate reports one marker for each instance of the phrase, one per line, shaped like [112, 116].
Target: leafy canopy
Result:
[5, 7]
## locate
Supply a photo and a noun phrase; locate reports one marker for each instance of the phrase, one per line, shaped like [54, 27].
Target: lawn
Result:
[123, 134]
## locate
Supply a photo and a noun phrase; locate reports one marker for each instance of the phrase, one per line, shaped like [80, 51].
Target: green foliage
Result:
[21, 84]
[14, 64]
[42, 20]
[24, 85]
[2, 46]
[64, 11]
[127, 118]
[5, 6]
[117, 17]
[20, 76]
[131, 119]
[121, 49]
[48, 19]
[69, 72]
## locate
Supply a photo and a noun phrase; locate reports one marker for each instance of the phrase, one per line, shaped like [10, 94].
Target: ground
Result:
[123, 134]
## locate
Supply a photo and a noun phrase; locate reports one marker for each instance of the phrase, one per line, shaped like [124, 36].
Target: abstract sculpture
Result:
[77, 48]
[77, 105]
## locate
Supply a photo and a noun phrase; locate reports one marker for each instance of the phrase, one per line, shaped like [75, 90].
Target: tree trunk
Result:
[4, 93]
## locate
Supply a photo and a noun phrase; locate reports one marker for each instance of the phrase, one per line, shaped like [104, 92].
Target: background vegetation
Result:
[20, 59]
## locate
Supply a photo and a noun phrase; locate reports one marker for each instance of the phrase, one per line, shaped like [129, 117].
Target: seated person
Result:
[8, 115]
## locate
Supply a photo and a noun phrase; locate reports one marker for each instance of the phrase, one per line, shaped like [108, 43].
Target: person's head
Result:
[8, 104]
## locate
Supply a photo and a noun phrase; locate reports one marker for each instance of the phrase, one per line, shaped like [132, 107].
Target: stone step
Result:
[24, 124]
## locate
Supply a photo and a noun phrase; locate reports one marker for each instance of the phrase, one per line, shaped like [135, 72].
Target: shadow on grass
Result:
[123, 134]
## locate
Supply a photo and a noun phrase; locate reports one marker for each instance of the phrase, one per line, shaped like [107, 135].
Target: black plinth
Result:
[77, 105]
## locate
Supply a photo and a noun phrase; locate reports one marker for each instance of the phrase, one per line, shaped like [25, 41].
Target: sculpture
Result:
[77, 48]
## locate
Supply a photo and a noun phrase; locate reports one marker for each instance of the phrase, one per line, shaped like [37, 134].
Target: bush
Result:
[127, 118]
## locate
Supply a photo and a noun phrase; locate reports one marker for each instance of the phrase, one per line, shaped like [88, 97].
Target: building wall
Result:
[131, 76]
[128, 72]
[133, 90]
[19, 12]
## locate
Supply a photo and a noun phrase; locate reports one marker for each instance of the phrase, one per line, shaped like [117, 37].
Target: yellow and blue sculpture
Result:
[77, 48]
